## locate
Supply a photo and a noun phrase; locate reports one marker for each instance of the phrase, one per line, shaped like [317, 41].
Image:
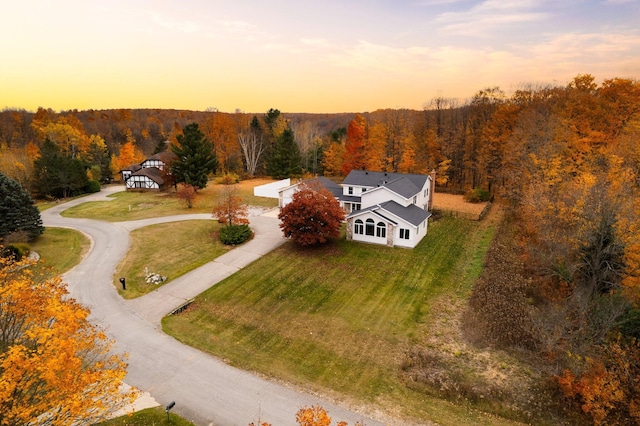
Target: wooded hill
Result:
[562, 280]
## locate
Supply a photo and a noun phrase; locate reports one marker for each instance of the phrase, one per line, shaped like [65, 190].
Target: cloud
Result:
[314, 41]
[490, 14]
[174, 25]
[436, 2]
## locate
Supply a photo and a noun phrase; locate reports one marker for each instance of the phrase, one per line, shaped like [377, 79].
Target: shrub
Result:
[235, 234]
[92, 186]
[477, 195]
[17, 251]
[227, 179]
[498, 311]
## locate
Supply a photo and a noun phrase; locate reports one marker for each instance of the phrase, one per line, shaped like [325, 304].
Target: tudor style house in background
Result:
[150, 175]
[387, 208]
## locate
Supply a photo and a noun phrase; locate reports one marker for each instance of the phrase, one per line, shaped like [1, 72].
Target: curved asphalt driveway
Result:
[206, 390]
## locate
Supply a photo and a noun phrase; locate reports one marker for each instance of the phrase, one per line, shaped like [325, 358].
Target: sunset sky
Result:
[302, 56]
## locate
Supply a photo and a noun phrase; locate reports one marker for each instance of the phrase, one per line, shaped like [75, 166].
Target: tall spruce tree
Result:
[196, 158]
[18, 213]
[285, 158]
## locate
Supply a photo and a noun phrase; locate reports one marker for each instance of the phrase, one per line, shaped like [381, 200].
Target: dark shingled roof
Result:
[375, 179]
[412, 214]
[132, 168]
[350, 198]
[326, 183]
[165, 156]
[152, 173]
[403, 186]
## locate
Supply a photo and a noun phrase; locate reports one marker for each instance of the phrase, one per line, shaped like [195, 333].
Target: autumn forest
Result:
[561, 282]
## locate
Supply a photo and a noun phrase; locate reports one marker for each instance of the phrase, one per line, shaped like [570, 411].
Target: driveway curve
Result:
[206, 390]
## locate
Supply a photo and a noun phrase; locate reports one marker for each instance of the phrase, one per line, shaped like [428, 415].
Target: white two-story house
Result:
[387, 208]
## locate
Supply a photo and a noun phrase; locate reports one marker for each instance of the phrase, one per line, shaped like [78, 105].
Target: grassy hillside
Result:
[341, 319]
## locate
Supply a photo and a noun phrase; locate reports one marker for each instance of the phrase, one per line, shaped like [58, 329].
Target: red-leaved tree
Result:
[312, 217]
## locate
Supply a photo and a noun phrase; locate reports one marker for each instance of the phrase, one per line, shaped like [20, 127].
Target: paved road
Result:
[206, 390]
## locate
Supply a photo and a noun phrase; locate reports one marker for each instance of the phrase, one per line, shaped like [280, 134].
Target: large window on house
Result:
[369, 227]
[359, 227]
[404, 234]
[381, 230]
[138, 184]
[351, 190]
[355, 206]
[415, 199]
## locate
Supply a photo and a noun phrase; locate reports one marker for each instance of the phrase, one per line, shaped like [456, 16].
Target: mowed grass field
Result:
[142, 205]
[340, 318]
[169, 249]
[60, 249]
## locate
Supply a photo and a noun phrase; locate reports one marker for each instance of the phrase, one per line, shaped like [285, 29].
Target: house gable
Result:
[149, 178]
[403, 226]
[398, 202]
[408, 188]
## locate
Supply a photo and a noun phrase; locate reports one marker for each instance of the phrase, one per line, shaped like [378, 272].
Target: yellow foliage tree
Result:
[333, 159]
[313, 416]
[55, 367]
[317, 416]
[129, 154]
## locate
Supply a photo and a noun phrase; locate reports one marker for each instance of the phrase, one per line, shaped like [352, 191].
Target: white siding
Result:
[355, 190]
[374, 239]
[141, 182]
[414, 236]
[153, 163]
[270, 190]
[286, 195]
[381, 195]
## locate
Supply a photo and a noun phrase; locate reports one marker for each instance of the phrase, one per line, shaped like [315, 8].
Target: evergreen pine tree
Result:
[196, 158]
[285, 158]
[17, 210]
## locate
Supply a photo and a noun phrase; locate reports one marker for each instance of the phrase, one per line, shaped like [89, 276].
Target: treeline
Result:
[562, 282]
[478, 143]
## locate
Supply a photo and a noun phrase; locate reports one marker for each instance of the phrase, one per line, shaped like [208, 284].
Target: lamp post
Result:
[168, 408]
[123, 282]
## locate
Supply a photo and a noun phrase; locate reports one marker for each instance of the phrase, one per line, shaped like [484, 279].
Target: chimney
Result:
[432, 189]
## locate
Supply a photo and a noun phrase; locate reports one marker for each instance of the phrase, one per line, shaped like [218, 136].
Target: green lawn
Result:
[60, 249]
[150, 417]
[169, 249]
[340, 318]
[142, 205]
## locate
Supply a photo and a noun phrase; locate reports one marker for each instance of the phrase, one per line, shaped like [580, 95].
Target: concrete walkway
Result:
[206, 390]
[157, 304]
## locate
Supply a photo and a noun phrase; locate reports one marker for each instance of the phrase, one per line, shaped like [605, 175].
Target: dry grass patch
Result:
[455, 205]
[129, 205]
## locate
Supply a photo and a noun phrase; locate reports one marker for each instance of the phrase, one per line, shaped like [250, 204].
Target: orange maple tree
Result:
[129, 154]
[230, 209]
[354, 156]
[56, 368]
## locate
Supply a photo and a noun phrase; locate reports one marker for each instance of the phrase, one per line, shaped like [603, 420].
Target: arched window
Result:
[359, 228]
[381, 230]
[369, 228]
